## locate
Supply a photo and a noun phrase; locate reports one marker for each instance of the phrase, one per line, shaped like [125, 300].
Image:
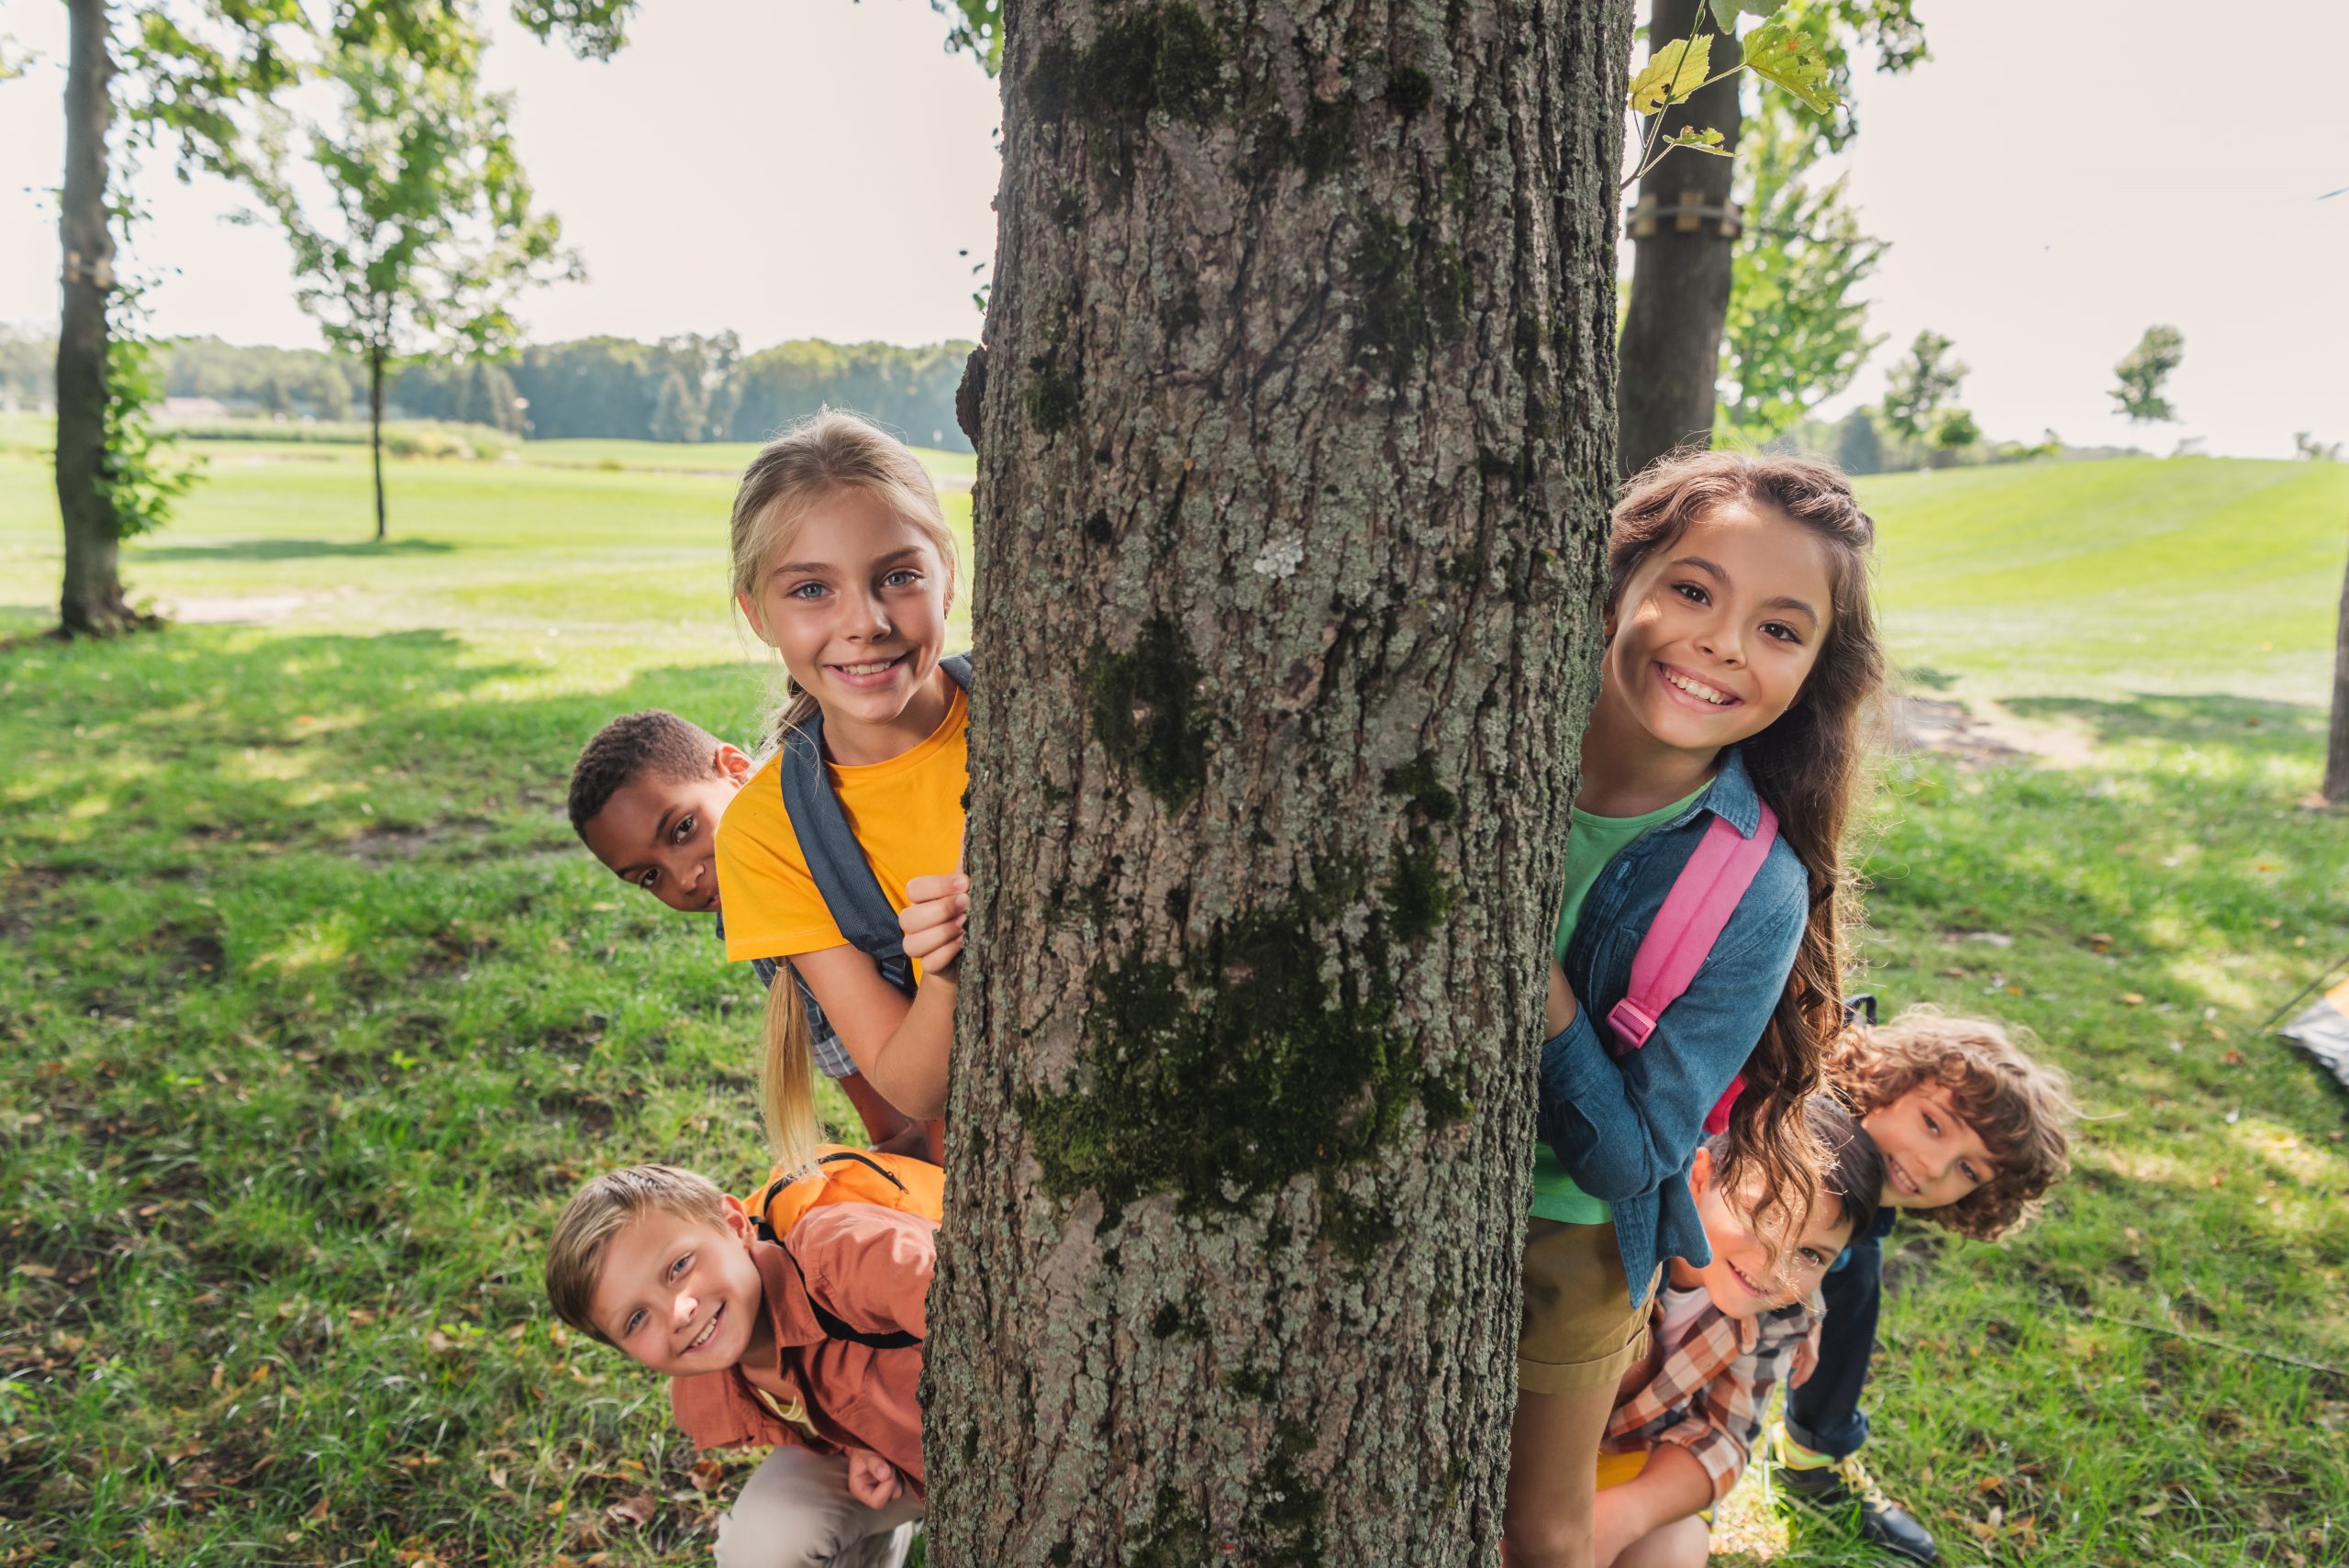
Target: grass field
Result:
[314, 1012]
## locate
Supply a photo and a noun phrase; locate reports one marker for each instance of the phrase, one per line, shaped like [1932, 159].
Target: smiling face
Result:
[682, 1295]
[661, 834]
[1742, 1280]
[1713, 636]
[1931, 1157]
[854, 597]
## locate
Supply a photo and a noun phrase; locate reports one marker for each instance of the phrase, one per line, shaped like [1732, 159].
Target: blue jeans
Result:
[1824, 1414]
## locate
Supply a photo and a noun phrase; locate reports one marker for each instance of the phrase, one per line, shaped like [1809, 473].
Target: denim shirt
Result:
[1626, 1128]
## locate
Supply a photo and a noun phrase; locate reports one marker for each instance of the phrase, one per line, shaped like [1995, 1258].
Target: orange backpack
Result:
[848, 1176]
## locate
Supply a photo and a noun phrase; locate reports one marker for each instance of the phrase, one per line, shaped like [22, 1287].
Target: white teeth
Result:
[1698, 689]
[702, 1338]
[867, 669]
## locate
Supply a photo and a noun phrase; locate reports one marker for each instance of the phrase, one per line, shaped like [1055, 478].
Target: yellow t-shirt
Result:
[906, 812]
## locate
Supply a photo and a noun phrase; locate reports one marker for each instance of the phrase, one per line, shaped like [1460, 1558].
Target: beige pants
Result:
[795, 1512]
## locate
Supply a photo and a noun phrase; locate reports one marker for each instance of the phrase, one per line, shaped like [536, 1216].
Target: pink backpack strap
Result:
[1694, 914]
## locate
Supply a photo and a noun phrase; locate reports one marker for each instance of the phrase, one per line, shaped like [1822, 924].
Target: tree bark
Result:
[92, 603]
[376, 431]
[2336, 751]
[1296, 445]
[1680, 273]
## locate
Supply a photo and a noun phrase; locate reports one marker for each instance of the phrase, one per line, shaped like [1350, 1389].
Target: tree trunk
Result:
[1680, 271]
[375, 430]
[1296, 445]
[2336, 751]
[92, 604]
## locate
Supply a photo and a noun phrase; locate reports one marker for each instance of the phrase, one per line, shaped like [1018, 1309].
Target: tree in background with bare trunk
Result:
[427, 234]
[2336, 750]
[189, 72]
[1296, 448]
[1684, 226]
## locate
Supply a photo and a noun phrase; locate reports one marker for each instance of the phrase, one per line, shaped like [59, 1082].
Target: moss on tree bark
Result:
[1295, 446]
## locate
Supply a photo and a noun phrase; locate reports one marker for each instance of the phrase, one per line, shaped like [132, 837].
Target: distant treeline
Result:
[686, 388]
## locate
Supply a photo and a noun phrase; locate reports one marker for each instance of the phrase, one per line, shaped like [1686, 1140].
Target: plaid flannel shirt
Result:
[1710, 1388]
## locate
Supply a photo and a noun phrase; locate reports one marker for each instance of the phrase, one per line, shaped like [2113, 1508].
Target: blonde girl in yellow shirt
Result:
[844, 566]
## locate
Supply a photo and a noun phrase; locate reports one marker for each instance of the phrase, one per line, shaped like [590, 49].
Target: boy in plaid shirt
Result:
[1685, 1417]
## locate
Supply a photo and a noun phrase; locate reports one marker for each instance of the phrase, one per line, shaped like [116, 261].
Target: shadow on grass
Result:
[294, 549]
[2201, 719]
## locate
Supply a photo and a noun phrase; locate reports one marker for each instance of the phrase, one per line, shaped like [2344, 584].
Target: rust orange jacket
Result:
[870, 1268]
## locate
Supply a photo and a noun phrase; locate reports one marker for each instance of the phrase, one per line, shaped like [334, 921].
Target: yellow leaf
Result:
[1672, 74]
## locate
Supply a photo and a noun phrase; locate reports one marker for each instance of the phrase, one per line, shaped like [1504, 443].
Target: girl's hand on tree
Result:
[1561, 1007]
[932, 920]
[872, 1480]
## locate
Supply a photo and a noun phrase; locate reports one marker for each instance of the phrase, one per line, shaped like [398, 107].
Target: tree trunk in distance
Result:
[2336, 750]
[1680, 276]
[375, 430]
[92, 603]
[1297, 442]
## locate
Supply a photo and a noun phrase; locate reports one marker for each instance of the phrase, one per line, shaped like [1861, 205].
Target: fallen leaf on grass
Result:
[707, 1476]
[2133, 998]
[36, 1271]
[319, 1514]
[637, 1511]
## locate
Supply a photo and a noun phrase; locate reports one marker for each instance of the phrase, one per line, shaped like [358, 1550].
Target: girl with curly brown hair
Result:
[1741, 661]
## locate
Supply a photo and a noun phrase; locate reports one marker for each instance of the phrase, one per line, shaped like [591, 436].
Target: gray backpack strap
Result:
[851, 893]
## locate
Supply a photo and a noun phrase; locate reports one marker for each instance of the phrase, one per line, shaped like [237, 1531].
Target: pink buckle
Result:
[1631, 1024]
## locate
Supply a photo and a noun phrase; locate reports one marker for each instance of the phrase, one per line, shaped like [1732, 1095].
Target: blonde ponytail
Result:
[787, 1077]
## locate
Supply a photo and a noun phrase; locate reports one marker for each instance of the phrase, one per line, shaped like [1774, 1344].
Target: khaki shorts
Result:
[1581, 1329]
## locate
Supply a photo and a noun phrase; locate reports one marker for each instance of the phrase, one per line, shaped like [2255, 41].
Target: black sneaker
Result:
[1846, 1484]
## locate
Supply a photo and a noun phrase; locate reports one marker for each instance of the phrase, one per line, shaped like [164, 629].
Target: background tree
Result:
[2306, 446]
[190, 72]
[2336, 750]
[427, 234]
[1858, 447]
[1683, 271]
[1796, 332]
[1920, 386]
[1953, 430]
[2141, 372]
[1289, 511]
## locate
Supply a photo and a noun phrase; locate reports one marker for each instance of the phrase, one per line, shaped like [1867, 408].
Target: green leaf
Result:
[1777, 52]
[1725, 11]
[1672, 74]
[1699, 138]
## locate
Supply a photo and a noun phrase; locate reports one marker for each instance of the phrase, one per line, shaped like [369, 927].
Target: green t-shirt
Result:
[1593, 841]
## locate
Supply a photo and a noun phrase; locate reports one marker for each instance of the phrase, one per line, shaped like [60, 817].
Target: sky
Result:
[819, 168]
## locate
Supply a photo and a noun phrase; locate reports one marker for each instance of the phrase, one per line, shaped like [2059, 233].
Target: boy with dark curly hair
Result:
[1973, 1132]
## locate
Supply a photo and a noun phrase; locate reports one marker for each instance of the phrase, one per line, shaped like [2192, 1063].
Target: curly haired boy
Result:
[1973, 1132]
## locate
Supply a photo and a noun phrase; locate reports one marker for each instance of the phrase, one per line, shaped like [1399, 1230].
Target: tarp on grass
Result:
[2323, 1031]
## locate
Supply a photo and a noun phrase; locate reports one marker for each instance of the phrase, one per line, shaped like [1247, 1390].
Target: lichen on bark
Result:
[1285, 622]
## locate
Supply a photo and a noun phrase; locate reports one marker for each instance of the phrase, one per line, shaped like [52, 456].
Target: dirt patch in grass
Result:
[1953, 729]
[383, 846]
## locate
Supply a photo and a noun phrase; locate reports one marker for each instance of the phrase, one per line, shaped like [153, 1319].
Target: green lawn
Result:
[314, 1013]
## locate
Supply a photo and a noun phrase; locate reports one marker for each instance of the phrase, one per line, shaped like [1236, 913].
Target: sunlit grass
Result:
[314, 1011]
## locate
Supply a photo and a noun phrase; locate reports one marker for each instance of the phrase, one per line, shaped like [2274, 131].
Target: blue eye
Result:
[806, 591]
[635, 1321]
[903, 577]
